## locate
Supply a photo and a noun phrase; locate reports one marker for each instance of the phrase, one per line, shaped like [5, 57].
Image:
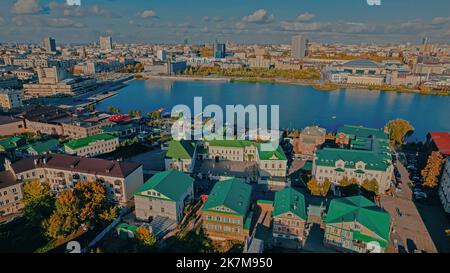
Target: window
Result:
[162, 210]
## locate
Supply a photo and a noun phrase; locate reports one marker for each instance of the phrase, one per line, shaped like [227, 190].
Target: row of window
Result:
[16, 198]
[224, 219]
[13, 190]
[222, 228]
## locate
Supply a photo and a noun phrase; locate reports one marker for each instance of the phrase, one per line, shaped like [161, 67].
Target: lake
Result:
[300, 106]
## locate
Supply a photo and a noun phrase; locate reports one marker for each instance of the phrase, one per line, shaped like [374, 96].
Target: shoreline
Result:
[315, 84]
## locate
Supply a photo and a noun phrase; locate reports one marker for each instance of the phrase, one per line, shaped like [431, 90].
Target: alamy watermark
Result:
[242, 123]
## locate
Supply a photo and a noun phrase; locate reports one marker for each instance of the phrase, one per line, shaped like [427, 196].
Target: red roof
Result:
[119, 118]
[442, 141]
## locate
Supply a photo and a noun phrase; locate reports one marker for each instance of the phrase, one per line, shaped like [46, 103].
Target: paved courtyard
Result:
[151, 161]
[409, 230]
[227, 168]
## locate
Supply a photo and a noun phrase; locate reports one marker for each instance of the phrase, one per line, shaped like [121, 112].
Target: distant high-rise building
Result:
[299, 47]
[219, 50]
[161, 55]
[50, 44]
[425, 40]
[106, 43]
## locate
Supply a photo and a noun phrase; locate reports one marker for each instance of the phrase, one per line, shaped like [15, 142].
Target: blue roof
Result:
[362, 63]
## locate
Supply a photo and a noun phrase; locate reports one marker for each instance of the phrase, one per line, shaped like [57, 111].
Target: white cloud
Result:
[37, 21]
[1, 20]
[259, 17]
[26, 7]
[148, 14]
[205, 19]
[305, 17]
[440, 20]
[204, 30]
[98, 11]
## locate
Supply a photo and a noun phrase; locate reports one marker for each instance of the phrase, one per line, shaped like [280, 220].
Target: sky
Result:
[242, 21]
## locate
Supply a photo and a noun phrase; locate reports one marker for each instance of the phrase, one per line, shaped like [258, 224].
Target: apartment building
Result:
[11, 194]
[10, 99]
[289, 216]
[66, 87]
[444, 186]
[92, 145]
[226, 213]
[11, 126]
[355, 224]
[165, 194]
[121, 179]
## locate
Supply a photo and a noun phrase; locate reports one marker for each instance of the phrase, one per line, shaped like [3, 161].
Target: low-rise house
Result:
[93, 145]
[121, 130]
[166, 194]
[444, 186]
[40, 148]
[11, 143]
[289, 216]
[355, 224]
[10, 126]
[309, 140]
[181, 155]
[62, 172]
[11, 194]
[226, 213]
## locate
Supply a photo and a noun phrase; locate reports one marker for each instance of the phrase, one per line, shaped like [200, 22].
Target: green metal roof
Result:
[361, 210]
[373, 161]
[231, 143]
[10, 142]
[83, 142]
[171, 183]
[278, 154]
[43, 146]
[361, 131]
[181, 149]
[289, 200]
[233, 193]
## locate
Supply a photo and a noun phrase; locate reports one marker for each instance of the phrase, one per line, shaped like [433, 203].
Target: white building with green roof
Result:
[92, 145]
[365, 155]
[181, 155]
[356, 224]
[165, 194]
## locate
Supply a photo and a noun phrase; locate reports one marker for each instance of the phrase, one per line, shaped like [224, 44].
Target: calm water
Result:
[299, 105]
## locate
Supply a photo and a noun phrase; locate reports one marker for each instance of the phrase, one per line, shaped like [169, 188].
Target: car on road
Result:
[418, 194]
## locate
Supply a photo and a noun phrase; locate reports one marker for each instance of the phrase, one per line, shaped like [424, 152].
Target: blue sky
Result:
[244, 21]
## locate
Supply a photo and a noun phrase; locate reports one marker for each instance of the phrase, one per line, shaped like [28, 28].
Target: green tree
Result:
[398, 130]
[38, 201]
[433, 169]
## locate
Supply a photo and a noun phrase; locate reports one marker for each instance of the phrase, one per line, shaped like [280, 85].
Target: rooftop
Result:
[94, 166]
[172, 184]
[233, 194]
[362, 63]
[363, 211]
[289, 200]
[373, 161]
[181, 149]
[83, 142]
[442, 141]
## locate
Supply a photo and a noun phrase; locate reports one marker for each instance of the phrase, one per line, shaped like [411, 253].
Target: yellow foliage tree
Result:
[433, 169]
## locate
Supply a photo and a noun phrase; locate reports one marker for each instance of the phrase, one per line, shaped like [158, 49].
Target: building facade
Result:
[444, 186]
[181, 155]
[11, 194]
[10, 99]
[166, 194]
[355, 224]
[226, 213]
[289, 216]
[92, 145]
[62, 172]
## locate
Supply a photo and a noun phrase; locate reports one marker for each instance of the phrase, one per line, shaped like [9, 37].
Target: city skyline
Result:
[239, 21]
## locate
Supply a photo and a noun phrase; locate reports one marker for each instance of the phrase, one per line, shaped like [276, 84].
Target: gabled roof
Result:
[232, 143]
[289, 200]
[361, 131]
[278, 154]
[442, 141]
[181, 149]
[171, 183]
[41, 147]
[233, 193]
[362, 210]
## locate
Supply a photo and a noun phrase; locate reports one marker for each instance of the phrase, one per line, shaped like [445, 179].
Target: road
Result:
[409, 230]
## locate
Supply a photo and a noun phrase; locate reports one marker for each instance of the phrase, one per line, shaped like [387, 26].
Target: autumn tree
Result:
[65, 218]
[433, 169]
[146, 239]
[93, 203]
[398, 130]
[371, 186]
[38, 202]
[317, 188]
